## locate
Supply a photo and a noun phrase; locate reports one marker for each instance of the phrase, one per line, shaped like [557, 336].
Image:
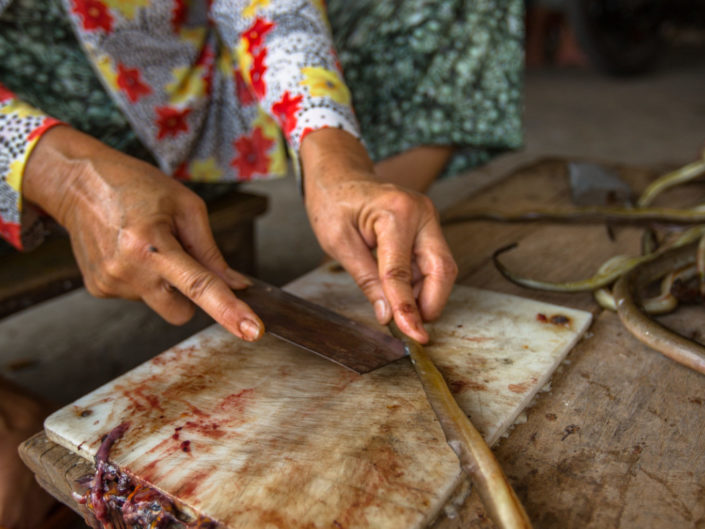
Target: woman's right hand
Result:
[136, 233]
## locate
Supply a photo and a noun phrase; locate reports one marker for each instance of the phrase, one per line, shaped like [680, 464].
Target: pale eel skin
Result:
[476, 458]
[646, 330]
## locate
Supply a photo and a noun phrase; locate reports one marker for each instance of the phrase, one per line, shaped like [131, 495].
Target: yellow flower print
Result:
[205, 170]
[253, 7]
[244, 59]
[14, 177]
[195, 36]
[20, 109]
[107, 71]
[270, 130]
[225, 61]
[325, 83]
[188, 84]
[321, 6]
[126, 7]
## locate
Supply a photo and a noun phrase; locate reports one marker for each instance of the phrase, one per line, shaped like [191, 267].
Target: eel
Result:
[476, 458]
[607, 273]
[646, 330]
[679, 176]
[586, 214]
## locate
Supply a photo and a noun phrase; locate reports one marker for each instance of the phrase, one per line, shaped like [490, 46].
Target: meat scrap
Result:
[113, 494]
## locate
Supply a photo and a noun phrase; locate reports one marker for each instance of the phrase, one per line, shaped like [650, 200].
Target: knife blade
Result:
[320, 330]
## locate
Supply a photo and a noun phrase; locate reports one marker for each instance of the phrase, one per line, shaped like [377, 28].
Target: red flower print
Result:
[257, 71]
[255, 33]
[5, 94]
[171, 121]
[242, 90]
[129, 80]
[10, 231]
[47, 123]
[252, 157]
[178, 15]
[307, 131]
[94, 15]
[285, 111]
[181, 172]
[207, 60]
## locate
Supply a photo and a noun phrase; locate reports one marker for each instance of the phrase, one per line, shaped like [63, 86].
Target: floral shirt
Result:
[217, 90]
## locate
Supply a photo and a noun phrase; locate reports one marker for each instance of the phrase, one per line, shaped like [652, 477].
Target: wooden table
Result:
[615, 442]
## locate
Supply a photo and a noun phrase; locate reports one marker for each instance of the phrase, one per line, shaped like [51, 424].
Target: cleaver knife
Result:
[320, 330]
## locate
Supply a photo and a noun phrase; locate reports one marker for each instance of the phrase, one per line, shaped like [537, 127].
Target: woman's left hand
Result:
[353, 213]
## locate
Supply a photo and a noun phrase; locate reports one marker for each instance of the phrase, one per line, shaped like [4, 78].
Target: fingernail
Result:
[236, 280]
[414, 324]
[250, 330]
[382, 311]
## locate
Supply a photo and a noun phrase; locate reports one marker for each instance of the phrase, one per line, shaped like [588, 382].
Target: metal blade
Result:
[320, 330]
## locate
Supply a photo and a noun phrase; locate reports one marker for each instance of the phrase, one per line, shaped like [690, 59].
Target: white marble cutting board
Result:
[266, 435]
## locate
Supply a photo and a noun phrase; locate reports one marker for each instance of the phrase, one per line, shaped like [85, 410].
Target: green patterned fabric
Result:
[434, 72]
[42, 61]
[420, 71]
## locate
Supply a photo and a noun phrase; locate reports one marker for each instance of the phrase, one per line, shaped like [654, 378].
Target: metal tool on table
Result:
[320, 330]
[594, 185]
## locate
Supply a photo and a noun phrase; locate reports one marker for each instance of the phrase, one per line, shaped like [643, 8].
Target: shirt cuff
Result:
[21, 127]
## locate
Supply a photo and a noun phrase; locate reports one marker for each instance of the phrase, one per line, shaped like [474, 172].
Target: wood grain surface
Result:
[617, 442]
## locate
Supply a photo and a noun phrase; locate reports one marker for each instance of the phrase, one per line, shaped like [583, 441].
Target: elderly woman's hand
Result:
[136, 233]
[353, 213]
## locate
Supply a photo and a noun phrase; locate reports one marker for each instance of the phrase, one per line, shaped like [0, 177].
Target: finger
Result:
[439, 270]
[196, 236]
[394, 252]
[170, 304]
[358, 260]
[209, 292]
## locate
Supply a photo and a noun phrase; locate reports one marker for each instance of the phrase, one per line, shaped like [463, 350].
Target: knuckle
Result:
[367, 282]
[198, 284]
[398, 273]
[134, 243]
[447, 267]
[401, 204]
[195, 205]
[211, 255]
[114, 268]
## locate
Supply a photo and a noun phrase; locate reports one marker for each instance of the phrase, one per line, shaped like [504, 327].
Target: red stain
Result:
[560, 320]
[236, 401]
[522, 387]
[457, 386]
[194, 481]
[186, 446]
[477, 339]
[207, 429]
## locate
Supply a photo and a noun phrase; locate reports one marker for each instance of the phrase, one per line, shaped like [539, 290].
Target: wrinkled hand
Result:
[352, 214]
[136, 233]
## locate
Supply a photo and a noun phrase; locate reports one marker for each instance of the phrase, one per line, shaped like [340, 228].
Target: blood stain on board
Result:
[559, 320]
[458, 386]
[522, 387]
